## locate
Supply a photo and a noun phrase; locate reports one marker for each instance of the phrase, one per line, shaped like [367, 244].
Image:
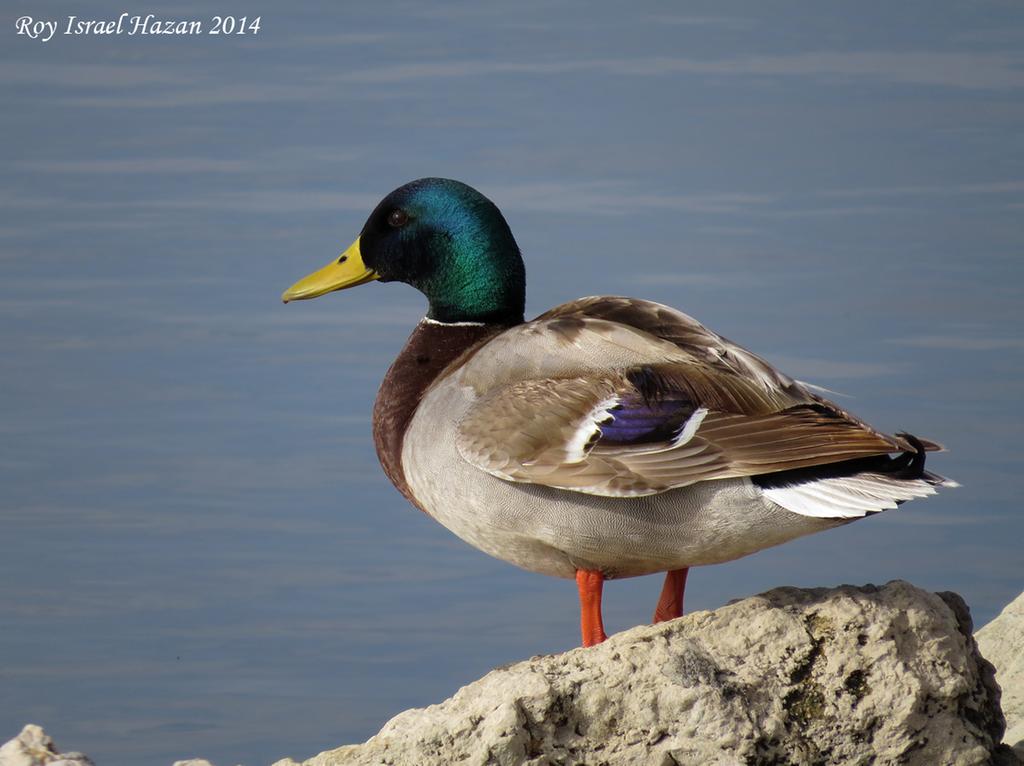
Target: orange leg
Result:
[670, 605]
[590, 584]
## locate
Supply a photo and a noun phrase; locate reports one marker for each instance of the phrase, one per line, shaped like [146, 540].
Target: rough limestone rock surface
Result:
[1002, 644]
[870, 675]
[34, 747]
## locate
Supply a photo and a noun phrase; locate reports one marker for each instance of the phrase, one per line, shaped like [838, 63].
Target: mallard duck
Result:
[609, 437]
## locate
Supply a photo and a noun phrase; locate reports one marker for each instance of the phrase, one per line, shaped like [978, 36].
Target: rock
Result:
[34, 747]
[1002, 644]
[847, 675]
[879, 675]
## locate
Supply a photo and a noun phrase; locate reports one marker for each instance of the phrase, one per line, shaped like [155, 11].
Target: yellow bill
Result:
[347, 271]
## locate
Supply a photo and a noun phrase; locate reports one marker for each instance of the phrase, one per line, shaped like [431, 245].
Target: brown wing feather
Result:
[752, 418]
[533, 427]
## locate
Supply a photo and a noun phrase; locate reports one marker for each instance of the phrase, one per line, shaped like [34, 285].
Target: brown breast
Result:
[431, 348]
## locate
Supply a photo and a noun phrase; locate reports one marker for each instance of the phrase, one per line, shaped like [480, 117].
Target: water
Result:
[201, 556]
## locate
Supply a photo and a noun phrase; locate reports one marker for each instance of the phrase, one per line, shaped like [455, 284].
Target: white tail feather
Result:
[848, 497]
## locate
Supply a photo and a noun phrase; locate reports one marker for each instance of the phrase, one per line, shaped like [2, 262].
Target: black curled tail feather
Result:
[909, 465]
[913, 467]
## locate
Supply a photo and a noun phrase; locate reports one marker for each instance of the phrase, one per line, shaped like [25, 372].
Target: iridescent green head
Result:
[445, 239]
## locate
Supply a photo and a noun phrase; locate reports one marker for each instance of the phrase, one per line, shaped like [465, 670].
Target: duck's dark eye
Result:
[398, 218]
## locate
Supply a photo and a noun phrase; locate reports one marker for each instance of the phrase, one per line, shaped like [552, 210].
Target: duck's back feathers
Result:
[684, 332]
[622, 397]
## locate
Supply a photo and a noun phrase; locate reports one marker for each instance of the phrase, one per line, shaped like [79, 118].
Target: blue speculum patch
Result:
[635, 421]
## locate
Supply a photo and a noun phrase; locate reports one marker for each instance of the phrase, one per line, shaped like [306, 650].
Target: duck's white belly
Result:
[555, 532]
